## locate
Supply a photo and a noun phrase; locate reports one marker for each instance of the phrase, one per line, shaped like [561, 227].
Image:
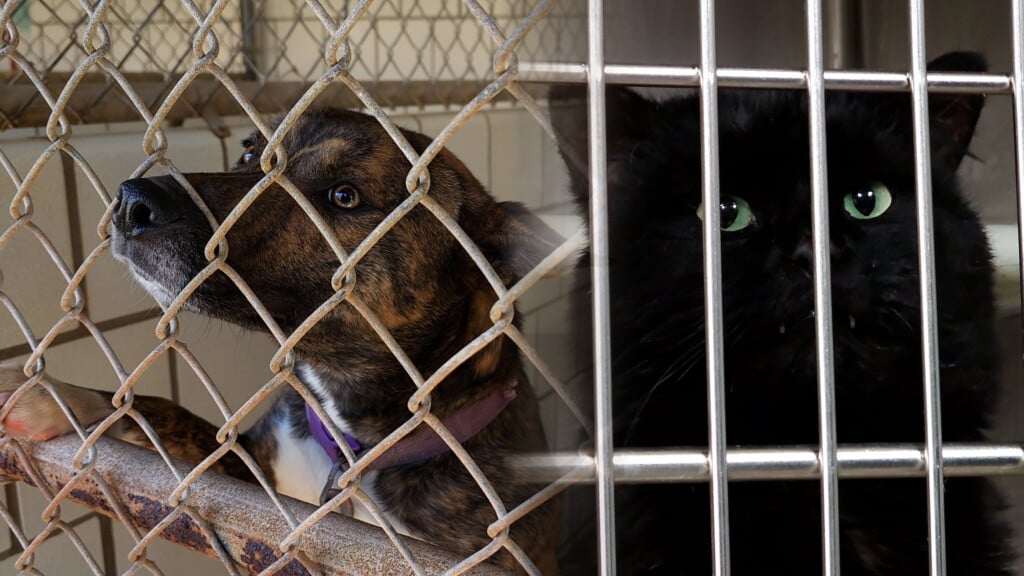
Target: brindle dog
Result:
[418, 280]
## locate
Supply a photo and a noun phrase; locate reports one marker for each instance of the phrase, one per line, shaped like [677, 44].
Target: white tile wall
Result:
[29, 277]
[542, 293]
[58, 554]
[516, 146]
[305, 50]
[83, 363]
[171, 558]
[237, 361]
[471, 143]
[476, 48]
[427, 8]
[8, 545]
[287, 10]
[397, 54]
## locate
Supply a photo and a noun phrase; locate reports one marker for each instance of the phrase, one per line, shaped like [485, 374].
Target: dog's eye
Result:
[343, 196]
[248, 156]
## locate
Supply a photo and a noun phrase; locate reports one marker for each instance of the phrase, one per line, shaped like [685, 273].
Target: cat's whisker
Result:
[853, 322]
[899, 316]
[687, 362]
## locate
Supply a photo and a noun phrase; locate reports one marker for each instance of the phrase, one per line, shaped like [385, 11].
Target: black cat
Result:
[658, 337]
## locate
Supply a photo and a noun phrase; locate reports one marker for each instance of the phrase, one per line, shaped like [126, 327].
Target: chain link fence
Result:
[405, 53]
[159, 64]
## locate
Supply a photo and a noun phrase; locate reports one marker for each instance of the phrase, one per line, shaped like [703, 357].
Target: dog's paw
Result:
[36, 415]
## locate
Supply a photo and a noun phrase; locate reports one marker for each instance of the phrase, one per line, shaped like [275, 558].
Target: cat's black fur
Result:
[658, 338]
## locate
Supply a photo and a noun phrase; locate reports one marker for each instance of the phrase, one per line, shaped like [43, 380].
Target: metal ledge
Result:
[683, 76]
[97, 99]
[246, 522]
[748, 464]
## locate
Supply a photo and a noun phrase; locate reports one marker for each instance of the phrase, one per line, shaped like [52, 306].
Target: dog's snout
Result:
[143, 206]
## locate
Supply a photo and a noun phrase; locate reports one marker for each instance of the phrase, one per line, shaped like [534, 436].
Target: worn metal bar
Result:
[713, 291]
[1017, 18]
[205, 93]
[249, 38]
[601, 284]
[822, 289]
[929, 319]
[682, 76]
[797, 463]
[337, 543]
[843, 39]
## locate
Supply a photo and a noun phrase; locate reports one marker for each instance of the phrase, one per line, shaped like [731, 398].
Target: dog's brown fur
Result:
[417, 279]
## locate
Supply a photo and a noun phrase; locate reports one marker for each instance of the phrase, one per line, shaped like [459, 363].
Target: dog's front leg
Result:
[37, 416]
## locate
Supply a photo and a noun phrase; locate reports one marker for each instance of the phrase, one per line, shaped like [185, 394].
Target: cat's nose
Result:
[803, 254]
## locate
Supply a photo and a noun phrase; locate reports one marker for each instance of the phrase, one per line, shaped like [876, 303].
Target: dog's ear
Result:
[527, 239]
[513, 239]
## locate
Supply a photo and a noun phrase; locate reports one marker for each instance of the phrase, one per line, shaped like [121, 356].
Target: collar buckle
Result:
[331, 487]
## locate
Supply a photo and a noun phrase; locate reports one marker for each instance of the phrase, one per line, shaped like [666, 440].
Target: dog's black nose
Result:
[143, 206]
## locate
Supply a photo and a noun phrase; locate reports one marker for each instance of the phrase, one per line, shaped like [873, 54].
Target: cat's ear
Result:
[953, 117]
[628, 119]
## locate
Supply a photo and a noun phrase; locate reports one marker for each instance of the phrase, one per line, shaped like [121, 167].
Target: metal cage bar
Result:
[799, 463]
[1017, 19]
[841, 24]
[822, 290]
[933, 460]
[685, 76]
[929, 313]
[713, 292]
[602, 288]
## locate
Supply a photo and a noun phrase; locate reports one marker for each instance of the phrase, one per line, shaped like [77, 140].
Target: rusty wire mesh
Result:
[159, 61]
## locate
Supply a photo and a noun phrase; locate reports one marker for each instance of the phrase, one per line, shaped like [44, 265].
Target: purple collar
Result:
[319, 431]
[422, 443]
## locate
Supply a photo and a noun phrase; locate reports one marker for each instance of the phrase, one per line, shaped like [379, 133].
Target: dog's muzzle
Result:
[143, 206]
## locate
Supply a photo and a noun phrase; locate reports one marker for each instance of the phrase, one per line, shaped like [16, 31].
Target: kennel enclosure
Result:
[95, 93]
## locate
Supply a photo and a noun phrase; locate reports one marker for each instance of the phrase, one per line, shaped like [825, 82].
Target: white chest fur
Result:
[301, 468]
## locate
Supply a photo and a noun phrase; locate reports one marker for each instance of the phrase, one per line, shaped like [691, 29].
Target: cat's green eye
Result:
[868, 203]
[736, 213]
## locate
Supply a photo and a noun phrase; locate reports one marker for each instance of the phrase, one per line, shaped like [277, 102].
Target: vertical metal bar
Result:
[822, 290]
[713, 290]
[106, 530]
[926, 262]
[843, 33]
[1018, 122]
[601, 287]
[13, 503]
[248, 36]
